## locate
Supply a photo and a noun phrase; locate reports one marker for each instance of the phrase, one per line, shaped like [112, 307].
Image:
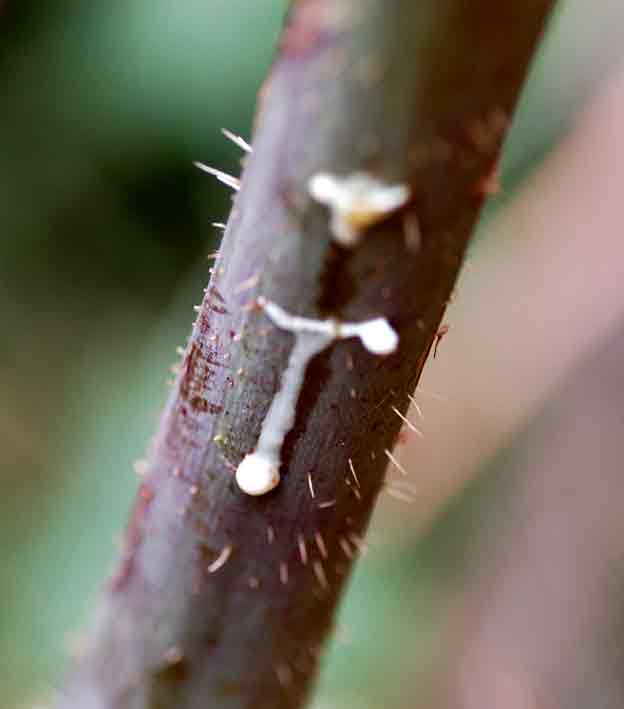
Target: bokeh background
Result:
[105, 230]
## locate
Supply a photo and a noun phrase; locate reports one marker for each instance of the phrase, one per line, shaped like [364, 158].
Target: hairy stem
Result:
[222, 599]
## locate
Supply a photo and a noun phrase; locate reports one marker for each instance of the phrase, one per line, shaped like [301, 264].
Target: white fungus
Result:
[376, 335]
[257, 475]
[356, 202]
[258, 472]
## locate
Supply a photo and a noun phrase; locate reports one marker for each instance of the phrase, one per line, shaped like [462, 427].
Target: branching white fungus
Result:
[258, 473]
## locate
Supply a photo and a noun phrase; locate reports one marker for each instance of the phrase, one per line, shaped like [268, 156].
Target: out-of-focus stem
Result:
[540, 621]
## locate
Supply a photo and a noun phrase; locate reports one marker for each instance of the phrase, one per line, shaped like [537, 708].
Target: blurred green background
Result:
[106, 228]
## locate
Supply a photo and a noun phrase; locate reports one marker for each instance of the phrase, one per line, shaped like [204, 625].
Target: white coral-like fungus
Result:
[258, 472]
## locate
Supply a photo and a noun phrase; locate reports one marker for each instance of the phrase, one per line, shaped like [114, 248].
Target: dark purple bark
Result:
[413, 92]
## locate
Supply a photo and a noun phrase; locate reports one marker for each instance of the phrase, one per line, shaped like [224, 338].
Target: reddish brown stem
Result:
[413, 92]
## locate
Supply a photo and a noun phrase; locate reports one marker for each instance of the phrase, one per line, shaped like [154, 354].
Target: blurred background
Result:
[105, 234]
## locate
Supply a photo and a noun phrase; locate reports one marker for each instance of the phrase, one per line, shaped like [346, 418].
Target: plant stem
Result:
[416, 94]
[539, 622]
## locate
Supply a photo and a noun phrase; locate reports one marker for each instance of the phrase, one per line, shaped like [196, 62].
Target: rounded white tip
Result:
[379, 337]
[256, 475]
[323, 187]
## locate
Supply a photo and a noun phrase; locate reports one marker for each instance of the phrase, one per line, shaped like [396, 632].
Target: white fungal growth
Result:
[376, 335]
[257, 475]
[356, 202]
[258, 472]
